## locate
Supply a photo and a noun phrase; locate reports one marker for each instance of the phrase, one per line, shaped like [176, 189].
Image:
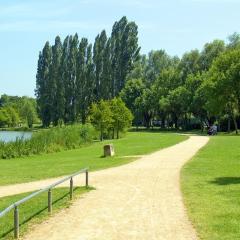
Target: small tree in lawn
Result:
[122, 116]
[101, 117]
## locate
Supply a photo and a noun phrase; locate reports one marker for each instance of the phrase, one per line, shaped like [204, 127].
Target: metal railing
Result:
[49, 189]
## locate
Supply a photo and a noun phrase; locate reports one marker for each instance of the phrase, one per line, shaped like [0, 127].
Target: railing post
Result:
[50, 200]
[71, 188]
[16, 223]
[86, 178]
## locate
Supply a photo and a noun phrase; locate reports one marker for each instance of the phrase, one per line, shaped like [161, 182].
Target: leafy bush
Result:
[49, 140]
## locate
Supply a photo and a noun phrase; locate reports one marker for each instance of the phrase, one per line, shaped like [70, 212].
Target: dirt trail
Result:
[137, 201]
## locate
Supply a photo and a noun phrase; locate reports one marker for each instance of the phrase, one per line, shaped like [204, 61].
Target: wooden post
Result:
[16, 223]
[50, 201]
[86, 178]
[71, 189]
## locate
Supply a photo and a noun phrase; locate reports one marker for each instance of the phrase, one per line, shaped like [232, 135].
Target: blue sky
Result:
[174, 25]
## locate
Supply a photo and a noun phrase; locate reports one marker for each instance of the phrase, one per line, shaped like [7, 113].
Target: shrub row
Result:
[49, 140]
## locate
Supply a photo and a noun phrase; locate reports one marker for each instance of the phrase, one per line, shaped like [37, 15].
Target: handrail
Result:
[48, 188]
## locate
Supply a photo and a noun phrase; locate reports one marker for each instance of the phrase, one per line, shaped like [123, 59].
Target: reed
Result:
[49, 140]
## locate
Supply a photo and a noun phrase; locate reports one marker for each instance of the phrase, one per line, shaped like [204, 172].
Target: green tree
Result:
[4, 117]
[122, 116]
[57, 83]
[157, 61]
[131, 95]
[189, 64]
[43, 79]
[85, 79]
[124, 52]
[234, 41]
[101, 117]
[209, 53]
[72, 74]
[178, 103]
[197, 98]
[29, 113]
[222, 85]
[99, 49]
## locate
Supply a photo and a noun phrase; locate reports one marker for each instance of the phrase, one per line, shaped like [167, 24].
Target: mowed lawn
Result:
[211, 189]
[57, 164]
[35, 210]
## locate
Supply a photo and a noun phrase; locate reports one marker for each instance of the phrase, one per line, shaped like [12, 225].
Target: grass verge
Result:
[211, 189]
[44, 166]
[35, 210]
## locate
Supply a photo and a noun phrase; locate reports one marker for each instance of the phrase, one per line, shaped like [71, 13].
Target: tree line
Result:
[73, 74]
[17, 111]
[195, 91]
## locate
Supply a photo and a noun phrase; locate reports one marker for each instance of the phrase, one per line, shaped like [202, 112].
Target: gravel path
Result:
[137, 201]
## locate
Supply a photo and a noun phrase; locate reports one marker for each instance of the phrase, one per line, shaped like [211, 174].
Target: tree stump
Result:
[108, 150]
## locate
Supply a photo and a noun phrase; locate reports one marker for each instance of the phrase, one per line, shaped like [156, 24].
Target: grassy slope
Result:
[211, 188]
[35, 210]
[57, 164]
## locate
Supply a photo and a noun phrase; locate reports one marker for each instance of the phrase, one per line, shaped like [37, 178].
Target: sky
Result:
[176, 26]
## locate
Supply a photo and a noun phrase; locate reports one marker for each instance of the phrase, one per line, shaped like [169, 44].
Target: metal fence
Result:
[49, 189]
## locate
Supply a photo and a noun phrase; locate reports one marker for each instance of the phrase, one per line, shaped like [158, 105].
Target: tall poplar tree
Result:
[72, 75]
[72, 69]
[43, 90]
[57, 87]
[98, 58]
[65, 78]
[124, 52]
[81, 77]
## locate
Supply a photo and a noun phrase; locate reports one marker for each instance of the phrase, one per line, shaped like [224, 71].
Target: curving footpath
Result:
[138, 201]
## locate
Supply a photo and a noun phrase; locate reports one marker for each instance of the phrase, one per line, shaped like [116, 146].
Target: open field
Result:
[139, 200]
[211, 188]
[35, 210]
[57, 164]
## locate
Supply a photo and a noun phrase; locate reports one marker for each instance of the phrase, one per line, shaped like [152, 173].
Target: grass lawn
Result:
[211, 189]
[57, 164]
[35, 210]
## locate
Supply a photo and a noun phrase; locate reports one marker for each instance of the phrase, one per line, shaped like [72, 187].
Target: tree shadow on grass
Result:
[226, 180]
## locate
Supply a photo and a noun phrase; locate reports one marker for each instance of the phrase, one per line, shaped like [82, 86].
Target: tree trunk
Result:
[185, 122]
[163, 122]
[176, 122]
[118, 130]
[113, 133]
[234, 119]
[117, 134]
[83, 117]
[229, 124]
[147, 118]
[202, 126]
[235, 124]
[101, 135]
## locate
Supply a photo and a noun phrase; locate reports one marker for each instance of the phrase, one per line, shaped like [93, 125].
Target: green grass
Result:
[211, 189]
[35, 210]
[44, 166]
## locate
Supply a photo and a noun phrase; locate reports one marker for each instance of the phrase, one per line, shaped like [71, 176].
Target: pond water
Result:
[9, 136]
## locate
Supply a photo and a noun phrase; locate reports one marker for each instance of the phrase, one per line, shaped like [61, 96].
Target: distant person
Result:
[210, 131]
[214, 128]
